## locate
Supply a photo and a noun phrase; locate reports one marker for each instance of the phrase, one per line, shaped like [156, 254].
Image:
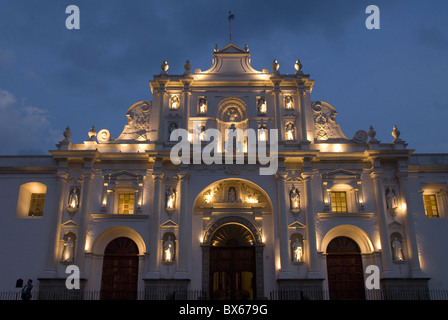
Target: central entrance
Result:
[345, 271]
[120, 270]
[232, 263]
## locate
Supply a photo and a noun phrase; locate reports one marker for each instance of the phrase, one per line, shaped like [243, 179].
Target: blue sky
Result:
[51, 77]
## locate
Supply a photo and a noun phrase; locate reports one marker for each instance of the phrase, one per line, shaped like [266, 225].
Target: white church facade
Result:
[133, 218]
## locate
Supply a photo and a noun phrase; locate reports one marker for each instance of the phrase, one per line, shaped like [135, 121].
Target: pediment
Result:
[231, 60]
[296, 225]
[123, 174]
[340, 174]
[169, 224]
[231, 48]
[69, 223]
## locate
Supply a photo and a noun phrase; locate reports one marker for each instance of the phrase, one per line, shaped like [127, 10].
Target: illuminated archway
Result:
[103, 239]
[235, 204]
[353, 232]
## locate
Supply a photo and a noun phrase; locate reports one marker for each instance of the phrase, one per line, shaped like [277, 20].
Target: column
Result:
[163, 102]
[154, 258]
[411, 241]
[53, 248]
[386, 252]
[186, 93]
[313, 269]
[302, 110]
[84, 215]
[277, 108]
[183, 243]
[283, 227]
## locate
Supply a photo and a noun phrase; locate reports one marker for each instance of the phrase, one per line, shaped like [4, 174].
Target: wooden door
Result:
[232, 264]
[120, 270]
[345, 270]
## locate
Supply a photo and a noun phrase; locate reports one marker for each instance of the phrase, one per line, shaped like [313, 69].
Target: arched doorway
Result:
[232, 263]
[345, 270]
[120, 270]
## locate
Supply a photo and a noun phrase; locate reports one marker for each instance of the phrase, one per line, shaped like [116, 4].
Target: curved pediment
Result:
[231, 60]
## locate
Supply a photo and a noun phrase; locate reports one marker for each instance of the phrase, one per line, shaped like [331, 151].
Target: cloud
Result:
[24, 127]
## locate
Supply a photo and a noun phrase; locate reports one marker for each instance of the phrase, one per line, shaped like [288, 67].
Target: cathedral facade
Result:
[232, 182]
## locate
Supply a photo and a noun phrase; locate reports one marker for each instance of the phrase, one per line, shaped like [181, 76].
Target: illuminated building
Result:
[334, 203]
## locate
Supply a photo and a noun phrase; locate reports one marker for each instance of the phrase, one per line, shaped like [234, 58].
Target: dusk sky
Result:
[52, 77]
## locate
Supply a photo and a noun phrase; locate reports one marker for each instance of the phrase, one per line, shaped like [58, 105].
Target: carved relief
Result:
[325, 127]
[137, 127]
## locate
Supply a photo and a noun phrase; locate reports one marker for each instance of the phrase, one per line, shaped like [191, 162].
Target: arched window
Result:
[31, 201]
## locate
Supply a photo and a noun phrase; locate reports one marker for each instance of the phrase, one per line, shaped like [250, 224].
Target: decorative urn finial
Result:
[164, 66]
[298, 66]
[275, 65]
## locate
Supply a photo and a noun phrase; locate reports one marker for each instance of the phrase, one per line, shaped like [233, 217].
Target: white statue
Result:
[68, 253]
[294, 198]
[297, 250]
[170, 199]
[398, 251]
[73, 199]
[231, 197]
[168, 248]
[262, 106]
[391, 199]
[289, 131]
[288, 102]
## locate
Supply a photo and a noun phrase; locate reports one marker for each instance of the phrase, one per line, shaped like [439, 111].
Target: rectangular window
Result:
[430, 202]
[37, 204]
[126, 203]
[339, 201]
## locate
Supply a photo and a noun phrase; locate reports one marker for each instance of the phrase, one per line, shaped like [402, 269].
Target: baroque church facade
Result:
[133, 218]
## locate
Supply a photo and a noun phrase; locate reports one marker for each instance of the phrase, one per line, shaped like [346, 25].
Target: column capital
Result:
[87, 176]
[281, 176]
[376, 175]
[183, 176]
[158, 176]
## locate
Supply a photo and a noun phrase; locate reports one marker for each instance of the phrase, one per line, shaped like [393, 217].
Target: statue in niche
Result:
[168, 249]
[288, 102]
[391, 199]
[397, 250]
[294, 199]
[289, 129]
[202, 105]
[171, 127]
[170, 195]
[297, 249]
[73, 199]
[261, 105]
[233, 115]
[68, 253]
[231, 195]
[174, 102]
